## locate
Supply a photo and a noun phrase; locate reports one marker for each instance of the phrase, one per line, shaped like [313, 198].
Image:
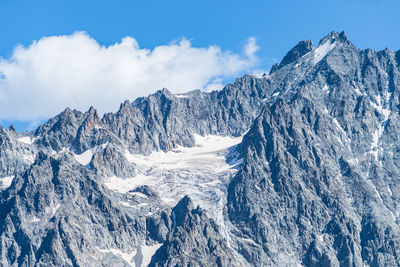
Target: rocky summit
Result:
[300, 167]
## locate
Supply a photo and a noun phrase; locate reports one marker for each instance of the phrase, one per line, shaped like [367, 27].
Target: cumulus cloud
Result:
[54, 72]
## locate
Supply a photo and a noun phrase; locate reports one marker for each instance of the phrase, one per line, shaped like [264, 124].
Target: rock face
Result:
[320, 175]
[16, 153]
[54, 214]
[314, 182]
[194, 240]
[302, 48]
[161, 121]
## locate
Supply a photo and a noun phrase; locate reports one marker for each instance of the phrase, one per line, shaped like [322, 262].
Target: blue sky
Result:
[275, 25]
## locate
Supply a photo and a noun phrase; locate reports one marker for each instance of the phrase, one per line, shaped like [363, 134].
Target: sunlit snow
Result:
[29, 158]
[202, 172]
[126, 256]
[182, 96]
[148, 252]
[137, 258]
[374, 149]
[5, 182]
[26, 140]
[85, 157]
[321, 51]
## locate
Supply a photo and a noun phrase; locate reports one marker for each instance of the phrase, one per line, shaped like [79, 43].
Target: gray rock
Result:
[194, 240]
[58, 214]
[111, 162]
[302, 48]
[320, 170]
[319, 183]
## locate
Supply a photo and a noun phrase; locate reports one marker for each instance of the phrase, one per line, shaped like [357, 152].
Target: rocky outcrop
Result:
[318, 184]
[58, 214]
[194, 240]
[319, 173]
[302, 48]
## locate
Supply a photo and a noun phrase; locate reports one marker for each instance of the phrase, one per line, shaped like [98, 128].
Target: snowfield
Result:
[202, 172]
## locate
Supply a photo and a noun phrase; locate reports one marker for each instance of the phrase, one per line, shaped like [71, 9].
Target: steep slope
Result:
[313, 182]
[16, 152]
[302, 48]
[193, 241]
[56, 213]
[320, 180]
[160, 121]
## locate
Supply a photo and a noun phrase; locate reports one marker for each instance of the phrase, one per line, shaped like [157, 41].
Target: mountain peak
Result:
[334, 36]
[299, 50]
[164, 92]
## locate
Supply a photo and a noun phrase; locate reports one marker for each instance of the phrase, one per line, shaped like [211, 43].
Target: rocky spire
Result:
[334, 36]
[299, 50]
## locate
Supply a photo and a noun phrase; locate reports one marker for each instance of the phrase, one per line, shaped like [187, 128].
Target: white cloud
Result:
[41, 80]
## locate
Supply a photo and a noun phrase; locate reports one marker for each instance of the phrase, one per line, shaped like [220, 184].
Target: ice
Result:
[126, 256]
[208, 152]
[124, 185]
[374, 149]
[321, 51]
[202, 172]
[182, 96]
[138, 258]
[148, 252]
[85, 157]
[5, 182]
[325, 88]
[26, 140]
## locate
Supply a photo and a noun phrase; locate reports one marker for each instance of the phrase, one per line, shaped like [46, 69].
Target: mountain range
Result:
[298, 167]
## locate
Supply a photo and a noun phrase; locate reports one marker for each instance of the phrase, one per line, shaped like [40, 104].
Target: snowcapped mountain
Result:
[299, 167]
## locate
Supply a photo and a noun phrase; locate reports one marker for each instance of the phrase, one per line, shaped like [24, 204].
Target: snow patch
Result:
[126, 256]
[29, 158]
[6, 182]
[357, 90]
[55, 208]
[343, 137]
[35, 220]
[374, 149]
[389, 190]
[275, 94]
[85, 157]
[26, 140]
[126, 204]
[182, 96]
[388, 97]
[321, 51]
[124, 185]
[148, 252]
